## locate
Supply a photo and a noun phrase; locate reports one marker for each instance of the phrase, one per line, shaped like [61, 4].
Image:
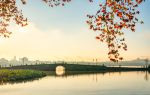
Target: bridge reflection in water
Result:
[60, 70]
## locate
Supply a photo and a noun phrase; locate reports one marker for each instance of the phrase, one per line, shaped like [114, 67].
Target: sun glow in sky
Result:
[61, 34]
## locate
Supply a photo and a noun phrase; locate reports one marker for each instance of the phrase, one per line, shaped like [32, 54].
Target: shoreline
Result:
[8, 75]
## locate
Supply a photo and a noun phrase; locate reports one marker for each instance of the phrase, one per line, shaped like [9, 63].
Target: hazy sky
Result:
[61, 33]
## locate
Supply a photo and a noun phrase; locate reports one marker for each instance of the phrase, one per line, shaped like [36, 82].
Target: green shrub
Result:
[17, 75]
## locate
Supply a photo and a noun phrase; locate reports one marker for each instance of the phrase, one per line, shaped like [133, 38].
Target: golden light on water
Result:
[60, 70]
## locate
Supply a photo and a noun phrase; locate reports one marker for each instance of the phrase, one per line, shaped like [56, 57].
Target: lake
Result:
[117, 83]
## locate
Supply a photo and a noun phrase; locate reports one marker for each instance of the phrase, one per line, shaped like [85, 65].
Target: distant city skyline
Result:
[27, 61]
[71, 59]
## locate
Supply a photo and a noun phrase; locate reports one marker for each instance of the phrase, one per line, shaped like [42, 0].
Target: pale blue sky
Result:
[75, 13]
[74, 35]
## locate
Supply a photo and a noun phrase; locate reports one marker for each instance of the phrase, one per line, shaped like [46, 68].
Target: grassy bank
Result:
[19, 75]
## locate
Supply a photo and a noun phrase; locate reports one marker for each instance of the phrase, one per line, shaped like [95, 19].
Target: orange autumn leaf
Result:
[97, 37]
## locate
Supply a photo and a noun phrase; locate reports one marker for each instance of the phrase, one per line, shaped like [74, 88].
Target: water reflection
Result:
[96, 74]
[19, 81]
[83, 83]
[60, 70]
[60, 73]
[146, 76]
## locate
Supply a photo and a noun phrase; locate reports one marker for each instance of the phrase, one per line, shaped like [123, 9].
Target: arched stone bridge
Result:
[68, 67]
[77, 67]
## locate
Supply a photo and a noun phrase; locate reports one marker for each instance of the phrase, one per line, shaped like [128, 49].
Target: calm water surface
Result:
[124, 83]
